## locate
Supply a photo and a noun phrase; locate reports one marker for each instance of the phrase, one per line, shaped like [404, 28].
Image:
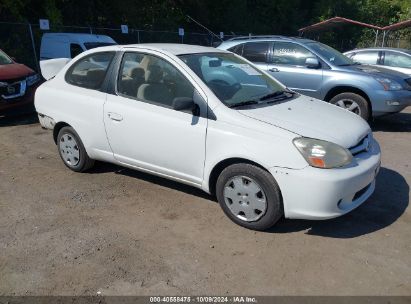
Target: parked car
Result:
[319, 71]
[17, 86]
[69, 45]
[390, 58]
[210, 119]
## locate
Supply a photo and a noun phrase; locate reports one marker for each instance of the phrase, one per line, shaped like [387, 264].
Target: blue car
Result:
[317, 70]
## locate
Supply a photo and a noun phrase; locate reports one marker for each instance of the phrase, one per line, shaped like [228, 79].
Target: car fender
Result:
[334, 79]
[259, 142]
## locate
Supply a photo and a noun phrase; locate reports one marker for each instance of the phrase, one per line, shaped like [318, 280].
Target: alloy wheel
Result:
[349, 105]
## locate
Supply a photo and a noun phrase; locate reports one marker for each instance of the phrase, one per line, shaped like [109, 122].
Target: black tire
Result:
[83, 162]
[274, 208]
[363, 106]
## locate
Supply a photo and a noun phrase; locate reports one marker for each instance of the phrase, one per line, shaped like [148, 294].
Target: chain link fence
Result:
[397, 39]
[22, 40]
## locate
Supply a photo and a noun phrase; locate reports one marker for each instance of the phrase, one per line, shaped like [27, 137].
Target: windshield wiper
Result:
[277, 94]
[274, 96]
[348, 64]
[243, 103]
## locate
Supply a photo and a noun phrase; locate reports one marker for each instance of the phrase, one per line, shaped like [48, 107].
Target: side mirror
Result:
[312, 63]
[185, 104]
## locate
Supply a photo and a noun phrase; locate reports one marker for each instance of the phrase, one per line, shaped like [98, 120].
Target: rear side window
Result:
[89, 72]
[366, 57]
[255, 51]
[289, 53]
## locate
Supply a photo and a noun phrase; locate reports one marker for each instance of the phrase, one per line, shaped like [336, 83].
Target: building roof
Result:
[339, 21]
[397, 26]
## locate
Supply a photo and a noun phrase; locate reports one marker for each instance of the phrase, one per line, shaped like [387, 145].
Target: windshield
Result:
[4, 59]
[329, 54]
[232, 80]
[92, 45]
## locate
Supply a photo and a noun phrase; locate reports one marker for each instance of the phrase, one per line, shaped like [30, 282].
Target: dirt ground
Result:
[121, 232]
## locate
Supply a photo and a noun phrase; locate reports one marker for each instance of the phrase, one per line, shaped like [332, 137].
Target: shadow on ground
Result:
[163, 182]
[399, 122]
[18, 120]
[384, 207]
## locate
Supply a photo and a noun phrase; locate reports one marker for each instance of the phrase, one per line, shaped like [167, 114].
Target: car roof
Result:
[381, 49]
[172, 48]
[176, 48]
[263, 38]
[77, 35]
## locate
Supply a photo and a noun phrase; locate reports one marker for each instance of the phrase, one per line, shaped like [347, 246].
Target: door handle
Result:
[273, 70]
[115, 116]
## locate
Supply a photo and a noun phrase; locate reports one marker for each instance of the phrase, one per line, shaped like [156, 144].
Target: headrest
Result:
[137, 73]
[96, 75]
[154, 74]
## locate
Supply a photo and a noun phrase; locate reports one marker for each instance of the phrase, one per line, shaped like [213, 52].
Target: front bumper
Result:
[385, 102]
[23, 103]
[313, 193]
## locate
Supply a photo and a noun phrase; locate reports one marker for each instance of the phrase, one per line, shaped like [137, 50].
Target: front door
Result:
[144, 130]
[287, 64]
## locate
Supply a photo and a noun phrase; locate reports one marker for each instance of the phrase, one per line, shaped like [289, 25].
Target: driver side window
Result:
[151, 79]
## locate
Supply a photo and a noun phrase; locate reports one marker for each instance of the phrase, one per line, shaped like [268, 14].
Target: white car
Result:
[213, 120]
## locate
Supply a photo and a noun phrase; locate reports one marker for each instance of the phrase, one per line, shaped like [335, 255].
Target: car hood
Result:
[14, 71]
[376, 71]
[309, 117]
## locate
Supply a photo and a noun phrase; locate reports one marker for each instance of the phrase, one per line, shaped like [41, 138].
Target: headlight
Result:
[32, 79]
[321, 153]
[389, 84]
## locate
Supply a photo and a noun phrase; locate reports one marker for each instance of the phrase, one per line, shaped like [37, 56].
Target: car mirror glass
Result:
[312, 63]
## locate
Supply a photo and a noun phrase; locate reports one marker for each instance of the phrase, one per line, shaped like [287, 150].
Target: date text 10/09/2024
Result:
[203, 299]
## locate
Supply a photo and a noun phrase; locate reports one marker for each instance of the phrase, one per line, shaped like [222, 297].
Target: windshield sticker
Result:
[285, 51]
[249, 70]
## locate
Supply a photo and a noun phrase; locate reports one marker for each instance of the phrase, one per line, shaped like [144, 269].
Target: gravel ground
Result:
[122, 232]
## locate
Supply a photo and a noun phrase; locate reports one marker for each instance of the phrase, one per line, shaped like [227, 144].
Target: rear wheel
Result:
[352, 102]
[72, 151]
[249, 196]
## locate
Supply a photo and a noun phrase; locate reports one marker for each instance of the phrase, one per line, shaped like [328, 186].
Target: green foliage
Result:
[232, 17]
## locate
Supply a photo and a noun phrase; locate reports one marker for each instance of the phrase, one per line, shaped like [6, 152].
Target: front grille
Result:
[12, 89]
[362, 146]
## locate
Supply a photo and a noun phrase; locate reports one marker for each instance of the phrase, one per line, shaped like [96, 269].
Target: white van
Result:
[69, 45]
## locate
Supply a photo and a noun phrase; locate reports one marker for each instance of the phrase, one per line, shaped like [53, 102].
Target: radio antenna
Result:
[199, 24]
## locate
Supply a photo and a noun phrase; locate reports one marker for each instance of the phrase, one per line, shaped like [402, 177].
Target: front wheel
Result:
[249, 196]
[352, 102]
[72, 151]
